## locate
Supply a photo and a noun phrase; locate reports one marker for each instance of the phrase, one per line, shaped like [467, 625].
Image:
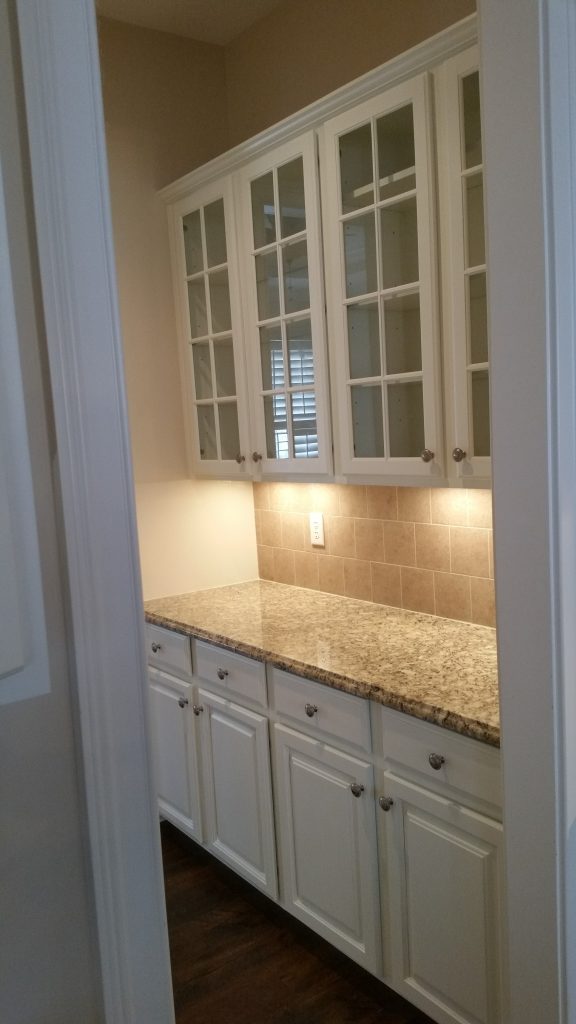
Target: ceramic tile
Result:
[433, 547]
[331, 574]
[357, 579]
[339, 536]
[382, 502]
[283, 566]
[414, 504]
[483, 603]
[469, 551]
[294, 531]
[369, 539]
[399, 543]
[353, 501]
[452, 595]
[306, 572]
[386, 588]
[417, 589]
[266, 563]
[270, 528]
[449, 506]
[480, 508]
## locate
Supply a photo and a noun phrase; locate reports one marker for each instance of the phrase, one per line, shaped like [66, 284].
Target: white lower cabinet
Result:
[327, 842]
[237, 792]
[405, 877]
[441, 893]
[174, 751]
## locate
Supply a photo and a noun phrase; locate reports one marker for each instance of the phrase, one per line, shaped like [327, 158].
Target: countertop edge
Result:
[472, 728]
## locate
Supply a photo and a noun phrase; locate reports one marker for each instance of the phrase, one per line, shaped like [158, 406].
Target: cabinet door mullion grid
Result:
[278, 449]
[462, 274]
[217, 460]
[408, 193]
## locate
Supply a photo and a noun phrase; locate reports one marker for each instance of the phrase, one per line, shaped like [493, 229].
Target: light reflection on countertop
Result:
[440, 670]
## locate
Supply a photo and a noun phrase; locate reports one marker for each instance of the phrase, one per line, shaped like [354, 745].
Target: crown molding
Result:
[423, 57]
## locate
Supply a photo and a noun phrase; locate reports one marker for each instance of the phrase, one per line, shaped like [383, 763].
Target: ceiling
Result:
[211, 21]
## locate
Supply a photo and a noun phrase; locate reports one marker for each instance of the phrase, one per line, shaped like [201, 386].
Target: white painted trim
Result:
[529, 69]
[65, 123]
[419, 58]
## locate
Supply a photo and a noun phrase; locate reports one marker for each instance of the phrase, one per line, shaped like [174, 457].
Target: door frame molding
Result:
[529, 113]
[65, 126]
[529, 61]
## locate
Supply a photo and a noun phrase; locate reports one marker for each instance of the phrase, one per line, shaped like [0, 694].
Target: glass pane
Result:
[304, 426]
[364, 340]
[402, 333]
[300, 355]
[193, 242]
[399, 234]
[220, 301]
[202, 370]
[263, 210]
[207, 432]
[224, 367]
[475, 221]
[229, 433]
[406, 419]
[197, 307]
[356, 169]
[267, 285]
[471, 117]
[480, 413]
[296, 284]
[478, 318]
[360, 255]
[367, 421]
[215, 229]
[291, 197]
[276, 427]
[396, 159]
[271, 357]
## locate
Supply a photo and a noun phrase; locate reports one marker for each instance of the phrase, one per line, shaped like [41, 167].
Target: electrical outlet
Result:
[317, 529]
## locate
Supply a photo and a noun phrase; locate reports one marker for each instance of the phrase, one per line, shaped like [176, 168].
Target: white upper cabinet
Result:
[284, 321]
[466, 343]
[205, 266]
[325, 228]
[382, 284]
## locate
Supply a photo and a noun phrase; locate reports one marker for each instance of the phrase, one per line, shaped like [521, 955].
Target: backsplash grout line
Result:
[424, 549]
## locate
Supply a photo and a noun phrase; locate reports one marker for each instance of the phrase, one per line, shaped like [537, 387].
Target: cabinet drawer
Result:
[469, 766]
[169, 651]
[239, 675]
[321, 709]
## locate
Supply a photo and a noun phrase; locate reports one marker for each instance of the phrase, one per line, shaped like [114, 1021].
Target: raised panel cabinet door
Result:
[174, 752]
[382, 283]
[237, 789]
[205, 271]
[464, 297]
[328, 843]
[284, 317]
[442, 876]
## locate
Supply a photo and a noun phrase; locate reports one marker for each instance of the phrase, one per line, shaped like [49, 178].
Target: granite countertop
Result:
[436, 669]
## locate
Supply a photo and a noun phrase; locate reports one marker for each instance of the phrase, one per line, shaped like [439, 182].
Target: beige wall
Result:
[170, 105]
[306, 48]
[165, 112]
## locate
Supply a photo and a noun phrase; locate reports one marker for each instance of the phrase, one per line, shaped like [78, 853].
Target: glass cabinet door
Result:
[381, 264]
[284, 310]
[466, 319]
[210, 331]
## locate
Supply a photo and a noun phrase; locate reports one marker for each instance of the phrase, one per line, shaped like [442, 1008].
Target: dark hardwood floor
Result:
[239, 959]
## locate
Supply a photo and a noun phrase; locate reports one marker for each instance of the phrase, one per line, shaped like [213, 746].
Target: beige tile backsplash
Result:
[427, 550]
